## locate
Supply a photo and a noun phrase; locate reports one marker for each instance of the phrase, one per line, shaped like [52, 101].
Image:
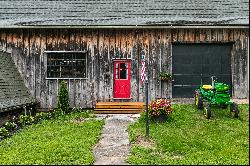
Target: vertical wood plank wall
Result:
[27, 48]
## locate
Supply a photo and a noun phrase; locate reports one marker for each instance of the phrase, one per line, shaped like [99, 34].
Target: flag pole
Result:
[144, 79]
[146, 93]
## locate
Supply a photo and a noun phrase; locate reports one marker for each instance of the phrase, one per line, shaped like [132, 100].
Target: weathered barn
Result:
[98, 46]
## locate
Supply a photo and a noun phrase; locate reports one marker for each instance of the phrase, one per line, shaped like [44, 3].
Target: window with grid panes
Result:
[66, 65]
[121, 71]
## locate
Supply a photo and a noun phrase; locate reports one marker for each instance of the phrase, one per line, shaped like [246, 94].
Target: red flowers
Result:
[160, 107]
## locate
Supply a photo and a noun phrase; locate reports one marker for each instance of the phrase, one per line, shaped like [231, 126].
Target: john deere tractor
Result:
[217, 94]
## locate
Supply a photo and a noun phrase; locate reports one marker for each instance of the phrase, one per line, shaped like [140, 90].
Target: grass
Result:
[187, 138]
[59, 142]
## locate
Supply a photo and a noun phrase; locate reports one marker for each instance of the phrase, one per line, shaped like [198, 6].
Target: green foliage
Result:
[165, 75]
[10, 125]
[41, 116]
[88, 113]
[25, 120]
[53, 142]
[77, 109]
[3, 132]
[189, 139]
[50, 115]
[63, 98]
[57, 113]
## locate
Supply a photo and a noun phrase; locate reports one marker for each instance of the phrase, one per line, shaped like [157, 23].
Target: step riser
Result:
[120, 103]
[119, 107]
[117, 112]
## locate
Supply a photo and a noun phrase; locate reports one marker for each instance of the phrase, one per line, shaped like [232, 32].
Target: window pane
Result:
[123, 71]
[80, 56]
[116, 73]
[67, 56]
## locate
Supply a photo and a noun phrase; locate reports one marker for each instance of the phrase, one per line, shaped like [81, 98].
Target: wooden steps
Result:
[119, 107]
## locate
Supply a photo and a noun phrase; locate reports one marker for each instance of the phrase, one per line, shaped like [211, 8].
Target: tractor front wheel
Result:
[223, 106]
[207, 111]
[198, 99]
[234, 111]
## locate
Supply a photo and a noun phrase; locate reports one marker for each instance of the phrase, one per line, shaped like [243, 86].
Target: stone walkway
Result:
[113, 147]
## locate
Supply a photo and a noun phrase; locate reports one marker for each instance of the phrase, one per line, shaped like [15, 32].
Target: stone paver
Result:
[113, 147]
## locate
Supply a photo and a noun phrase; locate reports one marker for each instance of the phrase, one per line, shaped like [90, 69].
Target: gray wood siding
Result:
[27, 48]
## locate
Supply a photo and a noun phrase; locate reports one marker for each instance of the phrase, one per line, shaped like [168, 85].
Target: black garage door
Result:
[193, 62]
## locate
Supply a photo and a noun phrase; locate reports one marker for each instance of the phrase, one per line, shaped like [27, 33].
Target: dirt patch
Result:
[241, 101]
[191, 101]
[147, 143]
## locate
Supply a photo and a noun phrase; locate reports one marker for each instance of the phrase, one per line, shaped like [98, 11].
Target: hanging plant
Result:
[165, 76]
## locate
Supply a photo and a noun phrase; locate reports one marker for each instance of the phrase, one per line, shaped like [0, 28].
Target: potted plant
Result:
[165, 76]
[160, 109]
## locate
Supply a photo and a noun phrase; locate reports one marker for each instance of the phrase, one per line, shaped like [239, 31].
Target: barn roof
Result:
[123, 12]
[13, 93]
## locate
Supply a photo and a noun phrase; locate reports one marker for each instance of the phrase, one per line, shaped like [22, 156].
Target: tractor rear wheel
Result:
[207, 110]
[198, 99]
[234, 111]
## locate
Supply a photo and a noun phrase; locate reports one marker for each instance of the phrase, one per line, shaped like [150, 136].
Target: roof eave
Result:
[229, 26]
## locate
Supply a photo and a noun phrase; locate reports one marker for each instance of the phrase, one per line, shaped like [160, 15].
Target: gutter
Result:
[127, 27]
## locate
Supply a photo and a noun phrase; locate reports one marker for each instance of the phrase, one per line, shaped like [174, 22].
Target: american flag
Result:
[143, 71]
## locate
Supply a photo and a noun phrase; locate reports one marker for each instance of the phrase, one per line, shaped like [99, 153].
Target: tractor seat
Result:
[207, 87]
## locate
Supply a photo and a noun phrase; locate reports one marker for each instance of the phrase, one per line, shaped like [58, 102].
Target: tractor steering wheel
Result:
[213, 81]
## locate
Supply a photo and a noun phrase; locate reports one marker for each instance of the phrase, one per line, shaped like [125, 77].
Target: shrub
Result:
[160, 107]
[50, 115]
[77, 109]
[165, 76]
[57, 113]
[25, 120]
[10, 125]
[63, 98]
[15, 119]
[40, 116]
[3, 132]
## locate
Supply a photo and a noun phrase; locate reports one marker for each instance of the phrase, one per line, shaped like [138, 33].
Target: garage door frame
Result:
[206, 79]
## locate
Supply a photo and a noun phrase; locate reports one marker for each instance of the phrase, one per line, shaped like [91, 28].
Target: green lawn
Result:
[188, 138]
[58, 142]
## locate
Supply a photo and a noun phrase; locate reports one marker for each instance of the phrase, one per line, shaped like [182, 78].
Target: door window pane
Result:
[123, 71]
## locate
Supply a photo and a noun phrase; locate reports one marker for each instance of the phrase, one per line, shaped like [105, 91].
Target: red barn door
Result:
[122, 79]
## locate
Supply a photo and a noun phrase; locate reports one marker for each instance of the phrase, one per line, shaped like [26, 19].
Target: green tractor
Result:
[217, 94]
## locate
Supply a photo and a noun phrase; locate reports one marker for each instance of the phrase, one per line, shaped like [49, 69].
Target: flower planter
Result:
[160, 118]
[160, 109]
